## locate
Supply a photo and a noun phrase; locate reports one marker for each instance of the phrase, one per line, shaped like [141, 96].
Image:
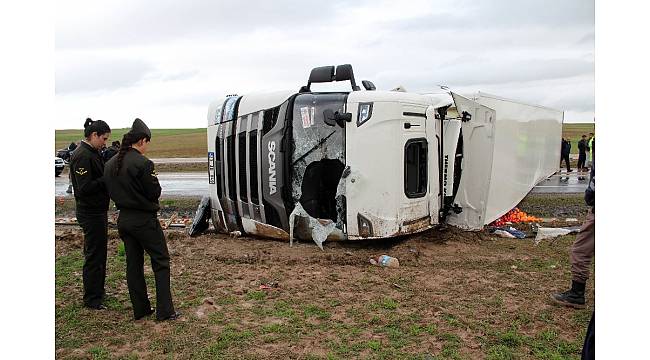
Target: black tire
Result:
[57, 172]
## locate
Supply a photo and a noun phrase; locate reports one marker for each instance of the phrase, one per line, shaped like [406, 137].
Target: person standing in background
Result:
[582, 155]
[566, 149]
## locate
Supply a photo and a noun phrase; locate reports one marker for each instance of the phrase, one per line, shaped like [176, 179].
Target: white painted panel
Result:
[526, 151]
[478, 142]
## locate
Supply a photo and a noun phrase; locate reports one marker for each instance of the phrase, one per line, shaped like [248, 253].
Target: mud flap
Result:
[201, 221]
[478, 145]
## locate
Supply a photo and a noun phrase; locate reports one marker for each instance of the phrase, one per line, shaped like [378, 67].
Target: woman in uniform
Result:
[133, 185]
[91, 197]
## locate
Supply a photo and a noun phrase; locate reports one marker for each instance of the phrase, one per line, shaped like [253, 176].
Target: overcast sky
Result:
[165, 61]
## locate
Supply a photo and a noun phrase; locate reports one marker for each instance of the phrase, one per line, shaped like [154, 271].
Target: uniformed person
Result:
[91, 197]
[133, 185]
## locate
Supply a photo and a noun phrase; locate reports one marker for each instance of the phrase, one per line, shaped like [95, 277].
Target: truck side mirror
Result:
[344, 72]
[368, 85]
[319, 75]
[335, 118]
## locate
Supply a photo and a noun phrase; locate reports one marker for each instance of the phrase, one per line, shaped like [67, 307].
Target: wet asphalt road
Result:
[196, 184]
[178, 184]
[561, 183]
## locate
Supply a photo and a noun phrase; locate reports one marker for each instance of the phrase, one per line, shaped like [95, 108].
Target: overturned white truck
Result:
[368, 164]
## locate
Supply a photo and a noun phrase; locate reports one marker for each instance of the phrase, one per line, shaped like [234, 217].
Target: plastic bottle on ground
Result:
[385, 261]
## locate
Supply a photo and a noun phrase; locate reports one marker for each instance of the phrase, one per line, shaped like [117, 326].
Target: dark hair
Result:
[127, 141]
[115, 143]
[98, 126]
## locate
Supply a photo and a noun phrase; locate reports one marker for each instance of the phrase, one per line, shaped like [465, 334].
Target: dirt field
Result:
[455, 296]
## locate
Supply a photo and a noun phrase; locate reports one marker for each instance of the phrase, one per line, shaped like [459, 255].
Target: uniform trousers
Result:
[141, 232]
[95, 228]
[583, 249]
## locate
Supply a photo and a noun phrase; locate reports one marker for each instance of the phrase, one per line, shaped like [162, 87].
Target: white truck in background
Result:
[369, 164]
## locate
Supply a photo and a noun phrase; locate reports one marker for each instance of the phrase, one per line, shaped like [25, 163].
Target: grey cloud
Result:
[476, 15]
[97, 75]
[143, 23]
[490, 72]
[184, 75]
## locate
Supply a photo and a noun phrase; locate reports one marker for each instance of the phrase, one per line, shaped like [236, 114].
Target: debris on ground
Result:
[269, 284]
[168, 222]
[503, 234]
[385, 261]
[549, 233]
[514, 216]
[509, 232]
[65, 221]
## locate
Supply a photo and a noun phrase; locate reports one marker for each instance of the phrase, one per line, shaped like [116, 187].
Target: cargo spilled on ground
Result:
[455, 295]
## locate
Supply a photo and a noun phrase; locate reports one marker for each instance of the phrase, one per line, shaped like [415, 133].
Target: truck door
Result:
[478, 147]
[414, 213]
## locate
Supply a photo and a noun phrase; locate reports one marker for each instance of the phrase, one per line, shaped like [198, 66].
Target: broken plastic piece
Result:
[201, 218]
[319, 230]
[549, 233]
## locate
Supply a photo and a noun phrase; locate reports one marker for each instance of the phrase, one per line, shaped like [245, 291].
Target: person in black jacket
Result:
[91, 197]
[133, 185]
[111, 151]
[566, 149]
[583, 146]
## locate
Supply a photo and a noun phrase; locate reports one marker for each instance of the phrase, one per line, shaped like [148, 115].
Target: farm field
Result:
[456, 295]
[164, 143]
[193, 142]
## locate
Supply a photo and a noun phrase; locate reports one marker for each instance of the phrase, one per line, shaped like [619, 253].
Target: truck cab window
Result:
[415, 168]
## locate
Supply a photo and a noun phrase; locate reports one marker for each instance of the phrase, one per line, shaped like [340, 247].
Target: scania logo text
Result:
[272, 183]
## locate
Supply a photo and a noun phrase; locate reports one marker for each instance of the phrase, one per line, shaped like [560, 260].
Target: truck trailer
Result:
[370, 164]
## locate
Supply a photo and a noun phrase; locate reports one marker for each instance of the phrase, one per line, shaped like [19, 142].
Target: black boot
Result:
[575, 297]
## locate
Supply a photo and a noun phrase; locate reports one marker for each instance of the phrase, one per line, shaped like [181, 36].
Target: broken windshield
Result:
[318, 157]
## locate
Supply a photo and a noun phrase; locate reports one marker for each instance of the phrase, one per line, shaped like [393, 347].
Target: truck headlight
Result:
[365, 226]
[364, 114]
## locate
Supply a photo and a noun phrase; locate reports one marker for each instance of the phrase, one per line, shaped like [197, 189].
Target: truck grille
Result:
[238, 181]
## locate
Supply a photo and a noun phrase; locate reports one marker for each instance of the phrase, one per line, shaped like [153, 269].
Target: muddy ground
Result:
[456, 295]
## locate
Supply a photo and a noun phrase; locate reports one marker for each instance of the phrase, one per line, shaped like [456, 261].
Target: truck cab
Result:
[362, 164]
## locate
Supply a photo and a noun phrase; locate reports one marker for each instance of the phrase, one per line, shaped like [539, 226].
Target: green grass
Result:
[164, 142]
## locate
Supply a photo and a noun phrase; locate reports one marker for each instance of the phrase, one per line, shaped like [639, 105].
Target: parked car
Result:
[59, 165]
[64, 154]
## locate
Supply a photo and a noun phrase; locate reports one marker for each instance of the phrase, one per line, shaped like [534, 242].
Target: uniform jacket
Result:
[582, 146]
[566, 148]
[86, 172]
[136, 185]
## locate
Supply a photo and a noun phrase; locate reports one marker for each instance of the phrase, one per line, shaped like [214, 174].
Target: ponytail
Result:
[127, 141]
[98, 126]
